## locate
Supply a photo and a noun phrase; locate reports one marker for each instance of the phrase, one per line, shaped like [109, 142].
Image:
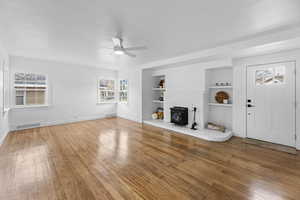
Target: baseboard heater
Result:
[26, 126]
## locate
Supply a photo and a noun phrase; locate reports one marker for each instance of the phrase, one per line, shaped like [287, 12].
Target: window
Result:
[30, 89]
[270, 76]
[106, 91]
[123, 92]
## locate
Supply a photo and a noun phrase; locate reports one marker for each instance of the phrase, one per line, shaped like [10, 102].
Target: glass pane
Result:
[35, 97]
[259, 77]
[268, 76]
[19, 93]
[102, 83]
[123, 84]
[41, 79]
[19, 100]
[123, 96]
[20, 97]
[30, 78]
[111, 85]
[279, 75]
[19, 78]
[106, 96]
[126, 85]
[107, 84]
[110, 95]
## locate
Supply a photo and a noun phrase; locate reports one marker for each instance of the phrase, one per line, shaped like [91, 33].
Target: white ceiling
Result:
[76, 30]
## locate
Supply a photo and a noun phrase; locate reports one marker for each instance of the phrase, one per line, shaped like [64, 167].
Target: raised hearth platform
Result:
[204, 134]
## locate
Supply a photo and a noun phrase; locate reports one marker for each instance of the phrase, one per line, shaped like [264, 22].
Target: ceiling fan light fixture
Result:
[119, 52]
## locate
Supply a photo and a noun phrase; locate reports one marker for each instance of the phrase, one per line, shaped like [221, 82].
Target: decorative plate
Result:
[220, 96]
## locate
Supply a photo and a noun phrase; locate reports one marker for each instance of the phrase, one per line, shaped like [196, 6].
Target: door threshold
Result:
[269, 145]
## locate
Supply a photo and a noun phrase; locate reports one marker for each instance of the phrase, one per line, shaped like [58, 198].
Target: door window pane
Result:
[279, 75]
[270, 76]
[259, 77]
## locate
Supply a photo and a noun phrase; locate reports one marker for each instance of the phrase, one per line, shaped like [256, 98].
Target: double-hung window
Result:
[30, 89]
[106, 91]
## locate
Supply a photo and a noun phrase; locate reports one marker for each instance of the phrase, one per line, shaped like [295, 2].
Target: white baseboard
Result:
[297, 146]
[13, 127]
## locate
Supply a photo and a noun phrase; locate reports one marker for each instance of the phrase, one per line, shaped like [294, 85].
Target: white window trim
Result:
[31, 106]
[6, 87]
[46, 104]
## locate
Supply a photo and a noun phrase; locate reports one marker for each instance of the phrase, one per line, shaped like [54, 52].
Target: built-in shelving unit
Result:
[220, 87]
[157, 93]
[219, 79]
[187, 94]
[159, 89]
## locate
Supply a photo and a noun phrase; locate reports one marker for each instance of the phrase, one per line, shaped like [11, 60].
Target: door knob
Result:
[249, 105]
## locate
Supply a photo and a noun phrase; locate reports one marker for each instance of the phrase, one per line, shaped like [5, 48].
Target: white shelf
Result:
[159, 89]
[158, 75]
[221, 87]
[220, 104]
[157, 101]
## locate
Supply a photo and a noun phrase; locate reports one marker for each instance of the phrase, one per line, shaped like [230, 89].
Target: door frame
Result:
[295, 96]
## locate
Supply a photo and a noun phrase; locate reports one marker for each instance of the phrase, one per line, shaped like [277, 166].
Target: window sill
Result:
[31, 106]
[113, 102]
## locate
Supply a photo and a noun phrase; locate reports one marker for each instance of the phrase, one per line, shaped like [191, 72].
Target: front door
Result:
[271, 103]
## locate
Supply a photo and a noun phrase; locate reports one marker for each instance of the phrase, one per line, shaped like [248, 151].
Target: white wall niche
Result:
[218, 79]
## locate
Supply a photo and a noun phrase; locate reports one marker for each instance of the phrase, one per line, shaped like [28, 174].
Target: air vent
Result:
[26, 126]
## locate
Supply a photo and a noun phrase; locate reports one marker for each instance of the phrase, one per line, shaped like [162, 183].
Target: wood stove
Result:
[179, 115]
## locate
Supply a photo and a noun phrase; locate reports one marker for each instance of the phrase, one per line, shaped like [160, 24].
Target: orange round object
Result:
[220, 96]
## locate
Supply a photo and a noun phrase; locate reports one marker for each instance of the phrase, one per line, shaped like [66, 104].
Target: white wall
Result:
[187, 81]
[4, 123]
[133, 109]
[239, 107]
[186, 86]
[72, 93]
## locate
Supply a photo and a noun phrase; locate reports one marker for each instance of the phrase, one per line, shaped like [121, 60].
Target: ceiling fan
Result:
[119, 49]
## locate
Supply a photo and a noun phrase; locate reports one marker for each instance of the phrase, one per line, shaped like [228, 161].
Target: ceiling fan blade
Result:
[129, 54]
[117, 41]
[135, 48]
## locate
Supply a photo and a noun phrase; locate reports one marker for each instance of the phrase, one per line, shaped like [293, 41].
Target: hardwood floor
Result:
[120, 159]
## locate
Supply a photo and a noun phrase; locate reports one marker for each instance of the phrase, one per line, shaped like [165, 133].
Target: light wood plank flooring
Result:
[120, 159]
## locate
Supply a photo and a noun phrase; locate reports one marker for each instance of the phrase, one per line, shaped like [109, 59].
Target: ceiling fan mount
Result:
[119, 49]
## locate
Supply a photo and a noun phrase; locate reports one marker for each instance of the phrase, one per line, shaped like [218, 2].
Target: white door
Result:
[271, 103]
